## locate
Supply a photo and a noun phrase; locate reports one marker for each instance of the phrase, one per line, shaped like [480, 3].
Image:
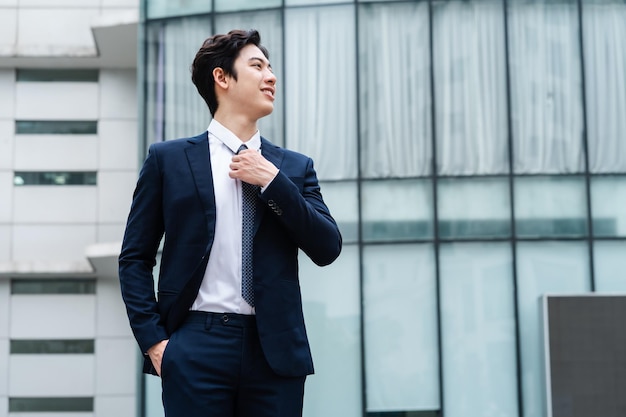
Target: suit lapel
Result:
[200, 165]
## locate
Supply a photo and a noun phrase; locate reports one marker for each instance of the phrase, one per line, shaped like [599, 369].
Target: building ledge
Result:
[42, 269]
[103, 259]
[100, 262]
[114, 46]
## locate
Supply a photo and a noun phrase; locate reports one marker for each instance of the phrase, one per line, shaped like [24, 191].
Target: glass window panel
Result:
[404, 413]
[332, 308]
[397, 210]
[550, 207]
[50, 405]
[470, 87]
[232, 5]
[56, 127]
[55, 178]
[608, 199]
[313, 2]
[478, 330]
[546, 94]
[153, 84]
[185, 112]
[269, 25]
[164, 8]
[53, 286]
[342, 200]
[395, 96]
[400, 316]
[609, 266]
[56, 75]
[52, 346]
[604, 37]
[544, 268]
[474, 208]
[320, 88]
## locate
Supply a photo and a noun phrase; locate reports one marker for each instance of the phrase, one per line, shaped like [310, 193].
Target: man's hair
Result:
[220, 51]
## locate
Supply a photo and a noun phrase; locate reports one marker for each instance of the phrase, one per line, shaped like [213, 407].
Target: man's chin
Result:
[267, 111]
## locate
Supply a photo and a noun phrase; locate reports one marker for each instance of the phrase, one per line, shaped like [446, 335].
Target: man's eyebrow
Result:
[256, 58]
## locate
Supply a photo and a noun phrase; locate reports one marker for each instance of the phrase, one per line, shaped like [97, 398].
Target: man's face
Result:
[253, 92]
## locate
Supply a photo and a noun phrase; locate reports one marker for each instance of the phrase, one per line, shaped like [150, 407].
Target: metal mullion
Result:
[359, 184]
[140, 405]
[518, 348]
[284, 70]
[586, 148]
[436, 241]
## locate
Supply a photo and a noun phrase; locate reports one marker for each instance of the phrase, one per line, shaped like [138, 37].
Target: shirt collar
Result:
[230, 140]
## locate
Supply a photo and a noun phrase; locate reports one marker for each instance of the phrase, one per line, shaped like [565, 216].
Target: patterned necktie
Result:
[248, 203]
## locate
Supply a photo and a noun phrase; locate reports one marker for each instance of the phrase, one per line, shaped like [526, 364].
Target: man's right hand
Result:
[156, 355]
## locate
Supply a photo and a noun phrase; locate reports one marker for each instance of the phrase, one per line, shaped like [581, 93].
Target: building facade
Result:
[68, 164]
[473, 153]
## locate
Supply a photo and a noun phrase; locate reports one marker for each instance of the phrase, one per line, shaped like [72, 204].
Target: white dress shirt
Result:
[220, 291]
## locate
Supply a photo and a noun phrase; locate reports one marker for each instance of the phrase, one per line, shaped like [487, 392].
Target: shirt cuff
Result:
[268, 184]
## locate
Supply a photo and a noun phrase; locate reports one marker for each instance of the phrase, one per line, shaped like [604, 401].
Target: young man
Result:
[226, 332]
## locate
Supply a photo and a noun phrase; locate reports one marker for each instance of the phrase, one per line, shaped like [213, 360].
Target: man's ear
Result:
[220, 78]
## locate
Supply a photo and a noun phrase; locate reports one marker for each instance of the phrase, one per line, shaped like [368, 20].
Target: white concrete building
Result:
[68, 164]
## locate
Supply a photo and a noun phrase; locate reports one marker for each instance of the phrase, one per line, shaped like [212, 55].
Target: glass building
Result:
[473, 153]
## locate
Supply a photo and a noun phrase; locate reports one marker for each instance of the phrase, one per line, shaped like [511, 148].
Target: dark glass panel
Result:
[56, 127]
[53, 286]
[57, 75]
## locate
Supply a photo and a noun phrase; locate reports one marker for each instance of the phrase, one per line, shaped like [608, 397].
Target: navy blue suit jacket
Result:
[174, 198]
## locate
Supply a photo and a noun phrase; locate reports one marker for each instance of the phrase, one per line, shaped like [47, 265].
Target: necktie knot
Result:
[242, 148]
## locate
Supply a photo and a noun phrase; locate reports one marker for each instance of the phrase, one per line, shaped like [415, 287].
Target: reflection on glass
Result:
[400, 312]
[55, 178]
[56, 127]
[269, 25]
[604, 35]
[52, 346]
[403, 413]
[53, 286]
[609, 266]
[478, 330]
[397, 210]
[550, 207]
[164, 8]
[476, 208]
[544, 268]
[332, 309]
[183, 109]
[608, 199]
[470, 87]
[395, 131]
[50, 405]
[320, 88]
[56, 75]
[546, 94]
[342, 201]
[312, 2]
[233, 5]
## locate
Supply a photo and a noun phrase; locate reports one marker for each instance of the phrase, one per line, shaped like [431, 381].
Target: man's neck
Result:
[243, 128]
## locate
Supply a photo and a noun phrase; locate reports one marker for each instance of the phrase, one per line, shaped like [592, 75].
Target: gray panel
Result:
[587, 361]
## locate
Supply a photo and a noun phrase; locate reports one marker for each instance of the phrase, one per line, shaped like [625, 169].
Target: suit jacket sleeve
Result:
[144, 231]
[297, 202]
